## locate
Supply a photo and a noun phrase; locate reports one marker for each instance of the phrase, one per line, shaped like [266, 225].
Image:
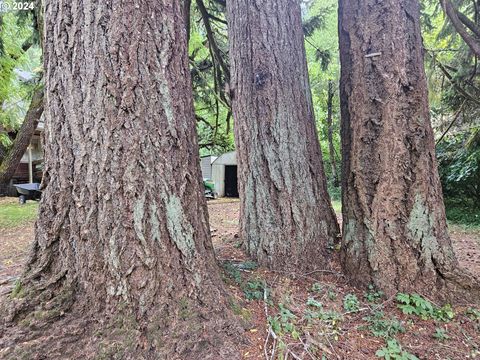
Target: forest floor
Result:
[308, 316]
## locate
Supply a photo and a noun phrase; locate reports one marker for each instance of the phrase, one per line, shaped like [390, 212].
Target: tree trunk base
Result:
[183, 329]
[53, 318]
[456, 285]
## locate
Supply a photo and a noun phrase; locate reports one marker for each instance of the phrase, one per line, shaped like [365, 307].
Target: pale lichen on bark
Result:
[181, 232]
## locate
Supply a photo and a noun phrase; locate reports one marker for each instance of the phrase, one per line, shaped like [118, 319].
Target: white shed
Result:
[206, 165]
[224, 174]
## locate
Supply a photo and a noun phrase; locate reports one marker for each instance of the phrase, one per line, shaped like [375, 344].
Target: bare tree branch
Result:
[211, 39]
[452, 13]
[469, 23]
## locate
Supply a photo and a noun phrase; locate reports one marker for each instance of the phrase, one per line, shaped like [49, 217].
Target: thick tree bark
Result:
[122, 264]
[287, 221]
[187, 4]
[11, 160]
[331, 147]
[394, 228]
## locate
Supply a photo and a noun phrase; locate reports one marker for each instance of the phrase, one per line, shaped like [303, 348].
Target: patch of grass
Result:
[334, 192]
[238, 310]
[17, 291]
[14, 215]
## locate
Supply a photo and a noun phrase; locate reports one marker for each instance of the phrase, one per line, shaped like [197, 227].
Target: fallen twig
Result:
[293, 355]
[270, 330]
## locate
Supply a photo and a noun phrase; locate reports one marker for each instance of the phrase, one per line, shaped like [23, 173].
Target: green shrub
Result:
[379, 326]
[351, 303]
[373, 295]
[415, 304]
[394, 351]
[255, 290]
[440, 334]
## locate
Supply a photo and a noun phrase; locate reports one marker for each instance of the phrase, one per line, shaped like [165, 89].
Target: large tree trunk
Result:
[394, 228]
[331, 146]
[10, 162]
[286, 219]
[122, 264]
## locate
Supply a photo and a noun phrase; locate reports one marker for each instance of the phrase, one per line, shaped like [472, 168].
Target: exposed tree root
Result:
[461, 286]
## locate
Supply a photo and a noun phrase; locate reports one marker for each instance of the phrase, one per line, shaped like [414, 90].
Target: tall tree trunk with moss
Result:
[394, 228]
[286, 219]
[122, 264]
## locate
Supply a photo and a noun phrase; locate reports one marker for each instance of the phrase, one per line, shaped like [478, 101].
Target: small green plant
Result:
[283, 322]
[440, 334]
[314, 303]
[247, 265]
[473, 314]
[331, 317]
[415, 304]
[351, 303]
[332, 295]
[255, 290]
[373, 295]
[445, 313]
[379, 326]
[394, 351]
[18, 291]
[232, 272]
[317, 288]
